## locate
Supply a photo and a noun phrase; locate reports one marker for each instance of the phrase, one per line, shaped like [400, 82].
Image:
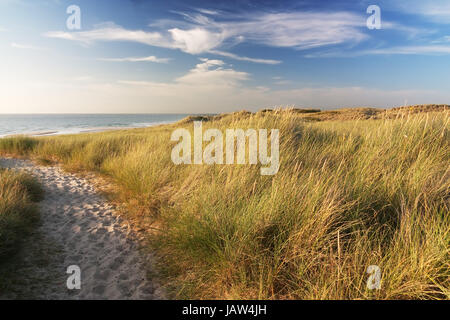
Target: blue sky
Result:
[219, 56]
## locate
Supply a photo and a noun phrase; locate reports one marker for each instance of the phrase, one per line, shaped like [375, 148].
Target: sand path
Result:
[78, 227]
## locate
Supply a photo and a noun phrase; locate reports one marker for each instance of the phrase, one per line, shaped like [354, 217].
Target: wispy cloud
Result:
[281, 81]
[207, 31]
[445, 39]
[416, 50]
[300, 30]
[210, 32]
[241, 58]
[137, 59]
[111, 32]
[24, 46]
[398, 50]
[208, 11]
[410, 31]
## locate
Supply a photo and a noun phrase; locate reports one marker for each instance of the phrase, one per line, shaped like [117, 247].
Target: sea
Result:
[55, 124]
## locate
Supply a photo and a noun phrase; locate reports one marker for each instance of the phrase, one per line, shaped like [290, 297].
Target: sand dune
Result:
[78, 227]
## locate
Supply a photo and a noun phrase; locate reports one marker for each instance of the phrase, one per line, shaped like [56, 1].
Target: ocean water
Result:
[51, 124]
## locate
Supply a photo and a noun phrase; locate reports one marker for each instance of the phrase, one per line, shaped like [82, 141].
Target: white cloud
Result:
[409, 31]
[301, 30]
[236, 57]
[24, 46]
[416, 50]
[195, 40]
[202, 34]
[399, 50]
[445, 39]
[207, 74]
[212, 73]
[137, 59]
[111, 32]
[281, 81]
[208, 11]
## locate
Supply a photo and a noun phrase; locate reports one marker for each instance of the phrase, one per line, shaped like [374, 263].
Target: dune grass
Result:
[348, 194]
[18, 213]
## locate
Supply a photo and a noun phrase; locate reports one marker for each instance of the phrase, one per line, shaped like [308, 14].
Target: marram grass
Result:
[18, 212]
[349, 194]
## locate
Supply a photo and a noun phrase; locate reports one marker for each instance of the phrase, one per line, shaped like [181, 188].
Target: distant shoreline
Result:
[87, 130]
[60, 133]
[62, 124]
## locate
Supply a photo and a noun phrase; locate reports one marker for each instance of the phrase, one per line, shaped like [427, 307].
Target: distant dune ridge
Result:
[355, 188]
[338, 114]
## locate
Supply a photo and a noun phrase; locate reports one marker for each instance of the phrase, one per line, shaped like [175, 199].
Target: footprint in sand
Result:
[78, 227]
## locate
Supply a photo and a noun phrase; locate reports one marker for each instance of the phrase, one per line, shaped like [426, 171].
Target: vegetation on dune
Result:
[338, 115]
[348, 194]
[18, 194]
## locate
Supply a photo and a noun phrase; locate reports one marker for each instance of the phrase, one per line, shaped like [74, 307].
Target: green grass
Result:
[18, 145]
[19, 193]
[348, 194]
[18, 213]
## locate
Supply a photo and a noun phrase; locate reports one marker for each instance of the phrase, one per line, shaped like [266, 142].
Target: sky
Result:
[136, 56]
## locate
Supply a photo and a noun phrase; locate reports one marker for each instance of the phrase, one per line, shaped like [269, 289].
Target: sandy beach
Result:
[78, 227]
